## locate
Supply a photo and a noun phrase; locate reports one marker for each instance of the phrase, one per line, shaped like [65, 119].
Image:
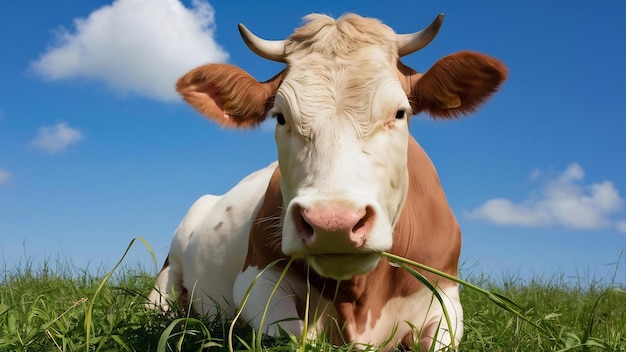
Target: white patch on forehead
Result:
[335, 69]
[361, 92]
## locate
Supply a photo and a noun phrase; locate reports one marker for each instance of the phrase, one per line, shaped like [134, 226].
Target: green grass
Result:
[563, 317]
[61, 308]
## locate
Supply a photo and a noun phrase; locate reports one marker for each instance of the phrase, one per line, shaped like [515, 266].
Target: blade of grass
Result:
[305, 328]
[162, 344]
[245, 300]
[586, 338]
[500, 300]
[89, 313]
[437, 295]
[267, 304]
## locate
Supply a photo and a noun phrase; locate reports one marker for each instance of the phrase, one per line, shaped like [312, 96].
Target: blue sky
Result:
[96, 148]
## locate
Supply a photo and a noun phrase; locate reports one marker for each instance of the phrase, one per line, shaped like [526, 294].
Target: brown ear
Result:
[228, 94]
[455, 85]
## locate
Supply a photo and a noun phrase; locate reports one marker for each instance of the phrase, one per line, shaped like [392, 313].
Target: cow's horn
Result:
[410, 43]
[269, 49]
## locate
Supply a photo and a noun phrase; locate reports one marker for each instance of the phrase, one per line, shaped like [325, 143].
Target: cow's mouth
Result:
[343, 266]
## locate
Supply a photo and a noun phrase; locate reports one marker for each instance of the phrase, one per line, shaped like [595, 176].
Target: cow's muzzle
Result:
[333, 228]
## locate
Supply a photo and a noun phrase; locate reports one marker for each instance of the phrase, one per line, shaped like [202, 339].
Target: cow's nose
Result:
[334, 226]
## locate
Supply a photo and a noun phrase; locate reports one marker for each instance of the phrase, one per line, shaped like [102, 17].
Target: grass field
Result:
[57, 307]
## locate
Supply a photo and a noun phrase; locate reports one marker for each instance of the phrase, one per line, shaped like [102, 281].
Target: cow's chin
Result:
[343, 266]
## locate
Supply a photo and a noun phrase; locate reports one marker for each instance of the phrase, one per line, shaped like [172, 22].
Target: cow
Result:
[350, 183]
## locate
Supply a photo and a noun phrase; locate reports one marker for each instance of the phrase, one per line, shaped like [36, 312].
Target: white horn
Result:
[269, 49]
[410, 43]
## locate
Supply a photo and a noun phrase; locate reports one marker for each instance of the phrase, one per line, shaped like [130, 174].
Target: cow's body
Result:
[209, 248]
[350, 183]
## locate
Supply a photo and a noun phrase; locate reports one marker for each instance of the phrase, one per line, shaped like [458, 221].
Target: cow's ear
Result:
[228, 94]
[456, 85]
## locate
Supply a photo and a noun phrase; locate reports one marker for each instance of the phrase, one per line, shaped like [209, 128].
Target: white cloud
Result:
[57, 138]
[5, 176]
[135, 46]
[563, 201]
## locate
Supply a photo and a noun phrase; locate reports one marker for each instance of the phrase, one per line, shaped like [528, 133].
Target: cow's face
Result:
[341, 109]
[342, 134]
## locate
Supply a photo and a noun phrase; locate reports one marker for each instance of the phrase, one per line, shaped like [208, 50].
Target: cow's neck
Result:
[426, 232]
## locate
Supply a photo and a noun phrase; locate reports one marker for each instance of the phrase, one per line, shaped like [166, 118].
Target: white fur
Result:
[423, 311]
[338, 160]
[210, 246]
[286, 304]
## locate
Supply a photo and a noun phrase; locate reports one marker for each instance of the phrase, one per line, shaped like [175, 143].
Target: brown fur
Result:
[455, 85]
[228, 94]
[264, 240]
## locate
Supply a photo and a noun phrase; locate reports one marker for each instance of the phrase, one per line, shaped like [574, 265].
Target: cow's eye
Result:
[280, 118]
[400, 114]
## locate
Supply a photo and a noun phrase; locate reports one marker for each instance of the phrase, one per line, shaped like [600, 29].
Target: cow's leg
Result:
[283, 308]
[436, 330]
[169, 286]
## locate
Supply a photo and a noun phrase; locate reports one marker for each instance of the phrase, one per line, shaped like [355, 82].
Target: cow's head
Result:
[342, 109]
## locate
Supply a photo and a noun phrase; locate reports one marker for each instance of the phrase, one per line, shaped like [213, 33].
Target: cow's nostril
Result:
[305, 230]
[363, 226]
